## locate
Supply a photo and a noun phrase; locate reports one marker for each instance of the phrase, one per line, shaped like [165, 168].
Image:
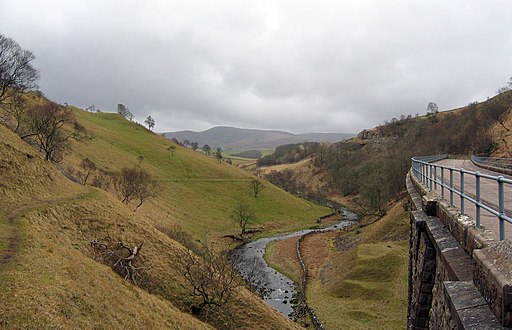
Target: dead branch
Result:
[115, 255]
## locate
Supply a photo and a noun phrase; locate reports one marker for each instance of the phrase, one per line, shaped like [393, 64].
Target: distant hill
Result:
[245, 139]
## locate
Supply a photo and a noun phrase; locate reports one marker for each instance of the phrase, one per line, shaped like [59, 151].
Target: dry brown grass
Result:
[282, 256]
[53, 280]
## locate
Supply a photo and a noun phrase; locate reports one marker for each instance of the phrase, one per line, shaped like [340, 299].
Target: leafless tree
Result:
[207, 149]
[124, 111]
[16, 71]
[242, 214]
[135, 184]
[45, 128]
[172, 149]
[218, 154]
[432, 112]
[87, 167]
[210, 277]
[257, 186]
[150, 122]
[15, 112]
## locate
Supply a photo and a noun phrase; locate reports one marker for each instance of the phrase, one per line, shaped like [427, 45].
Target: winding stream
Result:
[277, 290]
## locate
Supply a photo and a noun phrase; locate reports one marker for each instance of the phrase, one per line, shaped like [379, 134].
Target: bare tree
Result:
[209, 277]
[16, 71]
[218, 154]
[242, 214]
[45, 129]
[186, 143]
[87, 167]
[150, 122]
[172, 149]
[135, 184]
[207, 149]
[257, 186]
[124, 111]
[194, 145]
[16, 112]
[432, 111]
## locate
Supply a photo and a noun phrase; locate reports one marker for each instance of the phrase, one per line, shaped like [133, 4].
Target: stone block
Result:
[467, 308]
[493, 277]
[429, 204]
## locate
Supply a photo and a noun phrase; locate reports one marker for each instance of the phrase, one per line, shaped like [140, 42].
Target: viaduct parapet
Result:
[460, 277]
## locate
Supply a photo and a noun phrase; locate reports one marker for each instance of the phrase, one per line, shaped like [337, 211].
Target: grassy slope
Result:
[52, 280]
[372, 289]
[199, 192]
[364, 287]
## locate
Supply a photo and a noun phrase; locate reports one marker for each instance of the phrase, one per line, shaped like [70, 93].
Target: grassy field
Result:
[363, 286]
[54, 279]
[199, 192]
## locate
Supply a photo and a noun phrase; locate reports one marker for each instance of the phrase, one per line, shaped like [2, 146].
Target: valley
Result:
[255, 165]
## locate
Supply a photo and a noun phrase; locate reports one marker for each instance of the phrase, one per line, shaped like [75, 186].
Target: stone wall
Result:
[446, 283]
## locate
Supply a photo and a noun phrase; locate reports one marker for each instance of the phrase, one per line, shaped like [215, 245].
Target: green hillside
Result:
[51, 276]
[198, 191]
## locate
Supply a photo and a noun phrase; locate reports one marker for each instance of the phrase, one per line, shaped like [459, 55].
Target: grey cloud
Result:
[336, 66]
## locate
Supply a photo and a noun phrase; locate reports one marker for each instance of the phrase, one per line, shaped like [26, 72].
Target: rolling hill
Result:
[246, 139]
[51, 276]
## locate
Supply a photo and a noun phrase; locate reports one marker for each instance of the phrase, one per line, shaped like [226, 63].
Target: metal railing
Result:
[505, 163]
[427, 173]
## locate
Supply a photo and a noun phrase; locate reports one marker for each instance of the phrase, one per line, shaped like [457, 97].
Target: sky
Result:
[295, 65]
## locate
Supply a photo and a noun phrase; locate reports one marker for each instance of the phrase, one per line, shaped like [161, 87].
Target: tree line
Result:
[374, 168]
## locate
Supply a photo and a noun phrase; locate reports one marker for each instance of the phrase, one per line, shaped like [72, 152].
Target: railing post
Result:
[461, 191]
[477, 175]
[451, 187]
[426, 175]
[430, 174]
[501, 204]
[442, 182]
[435, 177]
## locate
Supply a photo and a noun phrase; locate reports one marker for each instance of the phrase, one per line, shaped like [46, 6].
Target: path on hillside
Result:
[14, 236]
[13, 239]
[488, 193]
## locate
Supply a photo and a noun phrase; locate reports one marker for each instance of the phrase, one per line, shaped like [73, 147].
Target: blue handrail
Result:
[505, 163]
[425, 171]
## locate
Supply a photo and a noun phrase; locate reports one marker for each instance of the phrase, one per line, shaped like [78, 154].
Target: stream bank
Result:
[276, 289]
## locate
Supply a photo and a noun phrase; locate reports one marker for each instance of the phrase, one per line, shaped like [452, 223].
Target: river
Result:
[276, 289]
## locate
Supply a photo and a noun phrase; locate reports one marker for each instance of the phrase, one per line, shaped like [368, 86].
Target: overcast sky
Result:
[300, 66]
